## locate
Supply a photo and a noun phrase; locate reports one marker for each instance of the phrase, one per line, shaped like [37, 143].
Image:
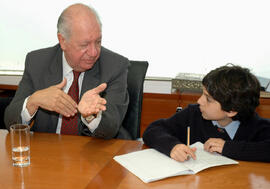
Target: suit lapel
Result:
[55, 71]
[91, 79]
[54, 76]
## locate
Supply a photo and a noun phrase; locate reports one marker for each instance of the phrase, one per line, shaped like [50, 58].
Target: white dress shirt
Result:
[68, 74]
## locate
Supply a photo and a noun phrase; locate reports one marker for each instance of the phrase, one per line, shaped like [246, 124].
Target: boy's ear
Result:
[231, 113]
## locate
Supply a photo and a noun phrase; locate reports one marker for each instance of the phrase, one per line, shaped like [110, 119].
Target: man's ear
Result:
[62, 41]
[231, 113]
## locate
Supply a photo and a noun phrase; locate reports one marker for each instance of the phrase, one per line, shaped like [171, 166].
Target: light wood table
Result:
[62, 161]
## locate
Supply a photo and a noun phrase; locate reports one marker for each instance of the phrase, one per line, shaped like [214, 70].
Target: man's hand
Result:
[181, 152]
[91, 103]
[214, 145]
[52, 99]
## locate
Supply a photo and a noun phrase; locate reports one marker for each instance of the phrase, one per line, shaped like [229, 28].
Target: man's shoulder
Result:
[45, 51]
[43, 58]
[107, 55]
[111, 63]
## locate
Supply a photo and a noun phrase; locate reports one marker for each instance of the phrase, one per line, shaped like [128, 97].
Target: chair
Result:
[135, 80]
[4, 102]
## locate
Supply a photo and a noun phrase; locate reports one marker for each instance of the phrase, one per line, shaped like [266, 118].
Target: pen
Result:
[188, 135]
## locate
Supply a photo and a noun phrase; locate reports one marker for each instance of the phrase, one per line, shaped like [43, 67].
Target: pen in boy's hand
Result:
[188, 136]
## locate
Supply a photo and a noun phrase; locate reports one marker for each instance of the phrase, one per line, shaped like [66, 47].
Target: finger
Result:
[67, 105]
[190, 152]
[103, 108]
[90, 110]
[179, 156]
[69, 101]
[185, 152]
[100, 88]
[210, 144]
[63, 109]
[215, 149]
[194, 149]
[101, 101]
[62, 84]
[206, 145]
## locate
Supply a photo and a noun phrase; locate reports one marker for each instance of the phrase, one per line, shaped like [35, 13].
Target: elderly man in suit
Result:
[44, 94]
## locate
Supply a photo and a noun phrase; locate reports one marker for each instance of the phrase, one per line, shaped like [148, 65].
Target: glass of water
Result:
[20, 144]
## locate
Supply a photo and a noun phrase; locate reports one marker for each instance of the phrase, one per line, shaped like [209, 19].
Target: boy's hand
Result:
[181, 152]
[214, 145]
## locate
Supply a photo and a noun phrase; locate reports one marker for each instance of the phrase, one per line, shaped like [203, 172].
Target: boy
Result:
[224, 120]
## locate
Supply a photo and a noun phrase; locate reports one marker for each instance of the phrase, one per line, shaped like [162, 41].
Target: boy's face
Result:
[211, 109]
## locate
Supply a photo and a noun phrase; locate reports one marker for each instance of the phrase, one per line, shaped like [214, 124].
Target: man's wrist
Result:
[90, 118]
[30, 106]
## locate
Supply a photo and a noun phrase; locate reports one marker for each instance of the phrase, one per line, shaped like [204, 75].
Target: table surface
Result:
[63, 161]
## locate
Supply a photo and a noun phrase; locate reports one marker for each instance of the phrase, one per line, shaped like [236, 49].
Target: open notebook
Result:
[150, 165]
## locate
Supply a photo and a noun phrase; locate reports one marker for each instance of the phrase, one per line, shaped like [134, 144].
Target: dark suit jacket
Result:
[43, 68]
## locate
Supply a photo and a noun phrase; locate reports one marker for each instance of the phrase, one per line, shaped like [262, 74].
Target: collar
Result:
[66, 67]
[231, 128]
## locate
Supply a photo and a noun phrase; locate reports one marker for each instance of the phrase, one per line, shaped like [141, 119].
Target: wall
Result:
[174, 36]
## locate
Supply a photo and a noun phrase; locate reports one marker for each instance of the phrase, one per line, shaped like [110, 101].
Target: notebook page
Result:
[206, 159]
[150, 165]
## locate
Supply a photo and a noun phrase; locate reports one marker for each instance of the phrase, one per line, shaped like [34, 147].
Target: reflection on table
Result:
[63, 161]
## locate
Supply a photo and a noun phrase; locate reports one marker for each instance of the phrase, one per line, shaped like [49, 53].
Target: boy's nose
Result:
[199, 100]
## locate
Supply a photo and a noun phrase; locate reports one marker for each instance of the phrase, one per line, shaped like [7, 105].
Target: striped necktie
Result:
[70, 124]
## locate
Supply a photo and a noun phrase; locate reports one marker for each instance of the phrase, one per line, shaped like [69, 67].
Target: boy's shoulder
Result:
[191, 110]
[194, 107]
[257, 119]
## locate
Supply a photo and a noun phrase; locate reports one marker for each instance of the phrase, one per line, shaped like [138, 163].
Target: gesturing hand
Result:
[214, 145]
[181, 152]
[91, 102]
[52, 99]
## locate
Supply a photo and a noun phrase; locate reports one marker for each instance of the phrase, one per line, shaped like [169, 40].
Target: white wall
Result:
[173, 35]
[150, 86]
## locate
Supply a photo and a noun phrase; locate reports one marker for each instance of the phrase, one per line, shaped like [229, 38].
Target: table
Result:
[63, 161]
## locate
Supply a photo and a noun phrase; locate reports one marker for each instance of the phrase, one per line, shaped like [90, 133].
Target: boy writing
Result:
[224, 120]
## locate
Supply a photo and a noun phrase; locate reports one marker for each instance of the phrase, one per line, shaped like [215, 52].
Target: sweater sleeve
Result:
[247, 151]
[252, 142]
[164, 134]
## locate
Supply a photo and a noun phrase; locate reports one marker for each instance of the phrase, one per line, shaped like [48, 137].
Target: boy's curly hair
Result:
[235, 88]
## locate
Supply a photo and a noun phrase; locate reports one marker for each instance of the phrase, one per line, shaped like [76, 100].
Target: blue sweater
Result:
[250, 143]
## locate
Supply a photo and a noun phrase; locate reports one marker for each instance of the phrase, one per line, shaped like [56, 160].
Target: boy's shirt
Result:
[231, 128]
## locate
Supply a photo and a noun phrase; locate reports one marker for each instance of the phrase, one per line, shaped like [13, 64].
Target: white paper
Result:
[150, 165]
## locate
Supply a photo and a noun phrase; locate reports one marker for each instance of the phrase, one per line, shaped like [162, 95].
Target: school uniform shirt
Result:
[251, 141]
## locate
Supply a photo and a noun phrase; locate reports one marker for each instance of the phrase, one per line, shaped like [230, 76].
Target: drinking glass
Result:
[20, 144]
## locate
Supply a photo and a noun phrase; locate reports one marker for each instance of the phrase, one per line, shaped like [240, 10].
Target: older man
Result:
[76, 87]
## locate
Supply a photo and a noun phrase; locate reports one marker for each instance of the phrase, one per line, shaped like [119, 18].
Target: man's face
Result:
[82, 49]
[210, 108]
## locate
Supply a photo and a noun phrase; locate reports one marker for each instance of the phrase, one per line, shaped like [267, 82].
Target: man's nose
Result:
[92, 50]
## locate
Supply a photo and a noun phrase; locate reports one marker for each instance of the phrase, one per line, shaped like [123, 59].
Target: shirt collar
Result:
[231, 128]
[66, 67]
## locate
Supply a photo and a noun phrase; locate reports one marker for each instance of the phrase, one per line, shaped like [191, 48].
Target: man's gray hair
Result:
[64, 21]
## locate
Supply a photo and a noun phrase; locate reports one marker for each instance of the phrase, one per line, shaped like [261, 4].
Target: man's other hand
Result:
[53, 99]
[91, 103]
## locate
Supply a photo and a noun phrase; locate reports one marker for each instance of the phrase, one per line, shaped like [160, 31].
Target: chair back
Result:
[135, 80]
[4, 102]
